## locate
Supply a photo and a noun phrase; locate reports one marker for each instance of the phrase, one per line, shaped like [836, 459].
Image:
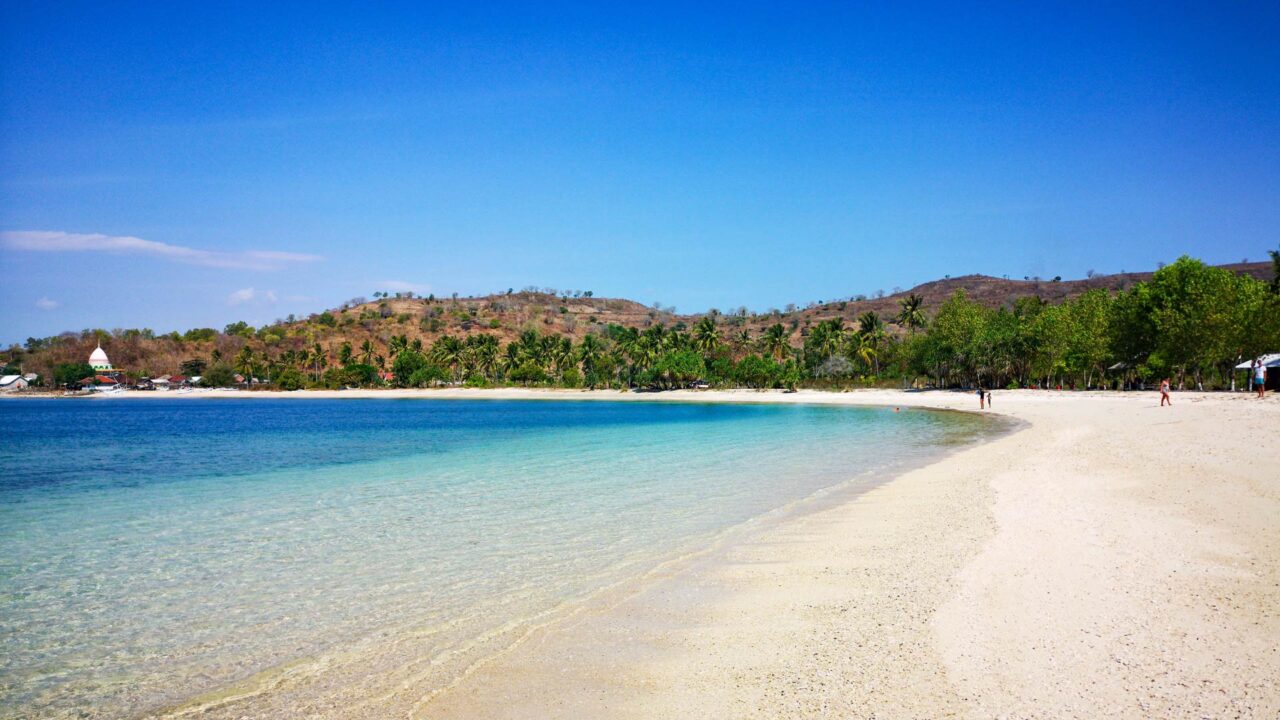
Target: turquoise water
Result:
[155, 551]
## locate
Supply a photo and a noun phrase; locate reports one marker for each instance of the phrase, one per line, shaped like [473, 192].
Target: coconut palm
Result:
[857, 348]
[480, 354]
[319, 359]
[448, 351]
[590, 351]
[706, 336]
[244, 363]
[911, 315]
[871, 329]
[776, 341]
[397, 345]
[345, 354]
[366, 351]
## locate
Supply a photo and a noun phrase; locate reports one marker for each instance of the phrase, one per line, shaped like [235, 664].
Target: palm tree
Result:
[912, 313]
[562, 356]
[320, 359]
[215, 357]
[272, 365]
[777, 341]
[397, 345]
[706, 336]
[482, 354]
[857, 347]
[448, 351]
[590, 351]
[345, 355]
[366, 351]
[828, 336]
[244, 363]
[871, 328]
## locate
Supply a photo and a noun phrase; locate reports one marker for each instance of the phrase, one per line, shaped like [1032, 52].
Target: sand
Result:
[1109, 558]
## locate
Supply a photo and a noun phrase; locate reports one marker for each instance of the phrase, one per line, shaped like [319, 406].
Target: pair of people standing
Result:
[984, 398]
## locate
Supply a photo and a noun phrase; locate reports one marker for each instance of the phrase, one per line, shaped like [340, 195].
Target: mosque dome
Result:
[98, 360]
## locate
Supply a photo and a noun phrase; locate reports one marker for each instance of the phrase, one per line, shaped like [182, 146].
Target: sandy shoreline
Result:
[1110, 558]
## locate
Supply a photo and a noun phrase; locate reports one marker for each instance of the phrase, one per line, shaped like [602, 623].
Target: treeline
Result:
[1190, 321]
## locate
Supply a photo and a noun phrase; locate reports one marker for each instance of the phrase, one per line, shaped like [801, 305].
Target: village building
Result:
[13, 383]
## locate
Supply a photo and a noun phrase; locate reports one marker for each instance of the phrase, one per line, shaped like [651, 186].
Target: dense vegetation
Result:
[1189, 321]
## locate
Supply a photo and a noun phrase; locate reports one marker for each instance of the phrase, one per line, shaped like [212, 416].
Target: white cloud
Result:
[54, 241]
[45, 303]
[250, 295]
[402, 286]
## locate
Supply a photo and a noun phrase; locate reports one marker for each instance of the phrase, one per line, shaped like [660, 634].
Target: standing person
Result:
[989, 396]
[1260, 377]
[982, 397]
[1164, 393]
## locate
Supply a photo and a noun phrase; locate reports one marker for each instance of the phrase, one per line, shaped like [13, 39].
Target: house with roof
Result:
[13, 383]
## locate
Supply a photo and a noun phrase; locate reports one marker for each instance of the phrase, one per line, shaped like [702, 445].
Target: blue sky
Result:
[170, 167]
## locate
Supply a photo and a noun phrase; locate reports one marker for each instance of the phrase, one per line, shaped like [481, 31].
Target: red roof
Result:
[104, 380]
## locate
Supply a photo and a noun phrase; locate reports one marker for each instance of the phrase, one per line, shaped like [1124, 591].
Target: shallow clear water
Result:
[152, 551]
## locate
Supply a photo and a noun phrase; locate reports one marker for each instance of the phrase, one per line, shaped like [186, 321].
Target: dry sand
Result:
[1110, 558]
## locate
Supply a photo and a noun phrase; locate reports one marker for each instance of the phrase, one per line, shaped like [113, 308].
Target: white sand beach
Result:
[1108, 558]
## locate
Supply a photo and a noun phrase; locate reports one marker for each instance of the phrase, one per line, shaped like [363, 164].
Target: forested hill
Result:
[372, 331]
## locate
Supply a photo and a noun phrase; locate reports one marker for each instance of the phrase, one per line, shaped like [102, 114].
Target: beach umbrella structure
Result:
[1272, 363]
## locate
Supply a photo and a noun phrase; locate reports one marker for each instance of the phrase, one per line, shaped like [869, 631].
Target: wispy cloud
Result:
[402, 286]
[45, 303]
[250, 295]
[55, 241]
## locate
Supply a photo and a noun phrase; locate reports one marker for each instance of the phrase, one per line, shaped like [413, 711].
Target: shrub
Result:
[72, 373]
[218, 375]
[427, 375]
[290, 379]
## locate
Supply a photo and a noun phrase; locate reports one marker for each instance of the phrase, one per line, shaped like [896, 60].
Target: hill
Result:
[376, 324]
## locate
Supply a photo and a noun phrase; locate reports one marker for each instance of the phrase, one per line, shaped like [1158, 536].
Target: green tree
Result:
[193, 367]
[405, 365]
[218, 375]
[911, 313]
[70, 374]
[777, 341]
[679, 368]
[291, 379]
[244, 363]
[754, 371]
[706, 336]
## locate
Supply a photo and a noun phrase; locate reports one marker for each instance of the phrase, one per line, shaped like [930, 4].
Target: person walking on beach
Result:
[1164, 393]
[989, 396]
[982, 398]
[1260, 377]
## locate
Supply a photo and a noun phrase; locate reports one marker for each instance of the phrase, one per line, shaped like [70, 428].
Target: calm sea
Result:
[156, 551]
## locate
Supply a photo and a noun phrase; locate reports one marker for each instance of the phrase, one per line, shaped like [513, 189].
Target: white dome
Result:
[99, 357]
